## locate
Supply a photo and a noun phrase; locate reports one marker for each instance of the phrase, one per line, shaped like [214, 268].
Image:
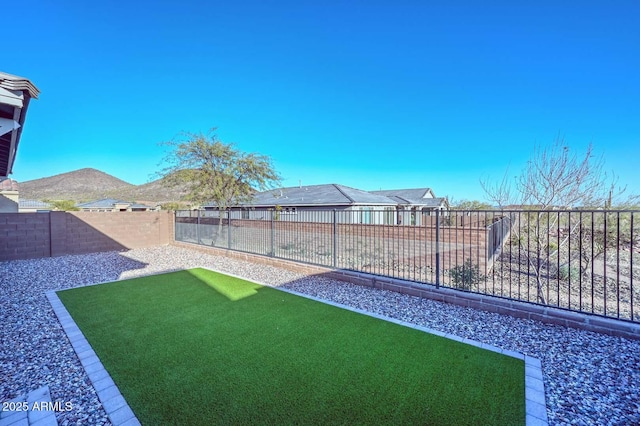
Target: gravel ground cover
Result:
[589, 378]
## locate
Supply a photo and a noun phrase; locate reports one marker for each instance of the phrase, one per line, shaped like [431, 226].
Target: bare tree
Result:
[556, 178]
[499, 193]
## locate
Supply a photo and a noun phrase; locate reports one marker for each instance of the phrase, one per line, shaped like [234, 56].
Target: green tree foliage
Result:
[213, 171]
[174, 205]
[63, 205]
[472, 205]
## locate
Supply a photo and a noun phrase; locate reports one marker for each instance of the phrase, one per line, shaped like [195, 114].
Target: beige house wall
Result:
[9, 202]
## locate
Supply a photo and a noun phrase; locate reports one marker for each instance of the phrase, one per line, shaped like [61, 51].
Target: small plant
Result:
[568, 272]
[465, 276]
[288, 246]
[517, 240]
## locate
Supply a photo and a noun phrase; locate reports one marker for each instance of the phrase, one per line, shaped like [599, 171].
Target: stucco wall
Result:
[9, 202]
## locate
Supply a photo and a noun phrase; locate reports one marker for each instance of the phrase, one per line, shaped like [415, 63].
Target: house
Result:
[414, 203]
[8, 196]
[316, 203]
[15, 94]
[112, 205]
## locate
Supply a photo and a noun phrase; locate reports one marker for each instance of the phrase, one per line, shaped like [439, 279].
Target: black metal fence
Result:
[579, 260]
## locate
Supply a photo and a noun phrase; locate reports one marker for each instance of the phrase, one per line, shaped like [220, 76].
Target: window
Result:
[388, 215]
[365, 215]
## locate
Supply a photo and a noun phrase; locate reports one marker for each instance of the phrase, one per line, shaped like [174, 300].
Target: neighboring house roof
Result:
[15, 94]
[408, 194]
[33, 204]
[316, 195]
[110, 203]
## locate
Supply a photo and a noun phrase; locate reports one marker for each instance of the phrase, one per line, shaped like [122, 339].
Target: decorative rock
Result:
[589, 378]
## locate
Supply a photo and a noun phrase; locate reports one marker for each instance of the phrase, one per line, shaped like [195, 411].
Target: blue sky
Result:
[369, 94]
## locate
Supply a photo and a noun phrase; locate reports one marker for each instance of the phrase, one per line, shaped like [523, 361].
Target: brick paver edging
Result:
[35, 409]
[112, 400]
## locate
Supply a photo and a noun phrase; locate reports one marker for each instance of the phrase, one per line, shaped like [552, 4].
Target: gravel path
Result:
[589, 378]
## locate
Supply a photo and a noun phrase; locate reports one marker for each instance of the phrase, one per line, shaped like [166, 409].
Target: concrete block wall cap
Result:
[608, 322]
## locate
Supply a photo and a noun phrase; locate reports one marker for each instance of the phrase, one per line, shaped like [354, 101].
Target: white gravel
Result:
[589, 378]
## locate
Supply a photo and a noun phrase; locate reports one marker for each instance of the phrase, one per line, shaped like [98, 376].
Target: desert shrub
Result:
[465, 276]
[566, 272]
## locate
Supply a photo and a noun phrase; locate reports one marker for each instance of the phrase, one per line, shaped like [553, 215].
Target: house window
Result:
[365, 215]
[388, 215]
[245, 214]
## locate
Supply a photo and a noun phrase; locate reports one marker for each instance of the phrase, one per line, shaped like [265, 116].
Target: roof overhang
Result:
[15, 94]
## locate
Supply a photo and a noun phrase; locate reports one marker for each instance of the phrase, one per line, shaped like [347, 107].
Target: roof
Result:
[317, 195]
[413, 196]
[110, 203]
[33, 204]
[15, 94]
[407, 195]
[13, 82]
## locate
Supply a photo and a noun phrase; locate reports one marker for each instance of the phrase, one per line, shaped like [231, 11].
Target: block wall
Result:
[24, 236]
[34, 235]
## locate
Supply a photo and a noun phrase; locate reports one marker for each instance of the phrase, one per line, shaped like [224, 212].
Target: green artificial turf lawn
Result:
[198, 347]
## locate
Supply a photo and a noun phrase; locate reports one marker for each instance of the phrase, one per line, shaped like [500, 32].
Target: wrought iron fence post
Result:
[197, 226]
[437, 248]
[335, 238]
[272, 253]
[229, 229]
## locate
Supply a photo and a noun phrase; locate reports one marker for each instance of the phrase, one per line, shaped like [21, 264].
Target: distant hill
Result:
[91, 184]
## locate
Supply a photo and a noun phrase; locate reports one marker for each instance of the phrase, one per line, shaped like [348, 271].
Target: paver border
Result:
[120, 413]
[115, 405]
[44, 415]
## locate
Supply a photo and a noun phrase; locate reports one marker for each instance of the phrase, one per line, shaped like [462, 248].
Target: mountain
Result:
[91, 184]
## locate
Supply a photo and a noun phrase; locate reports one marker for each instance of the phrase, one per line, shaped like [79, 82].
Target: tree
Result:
[63, 205]
[556, 178]
[212, 171]
[472, 205]
[174, 205]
